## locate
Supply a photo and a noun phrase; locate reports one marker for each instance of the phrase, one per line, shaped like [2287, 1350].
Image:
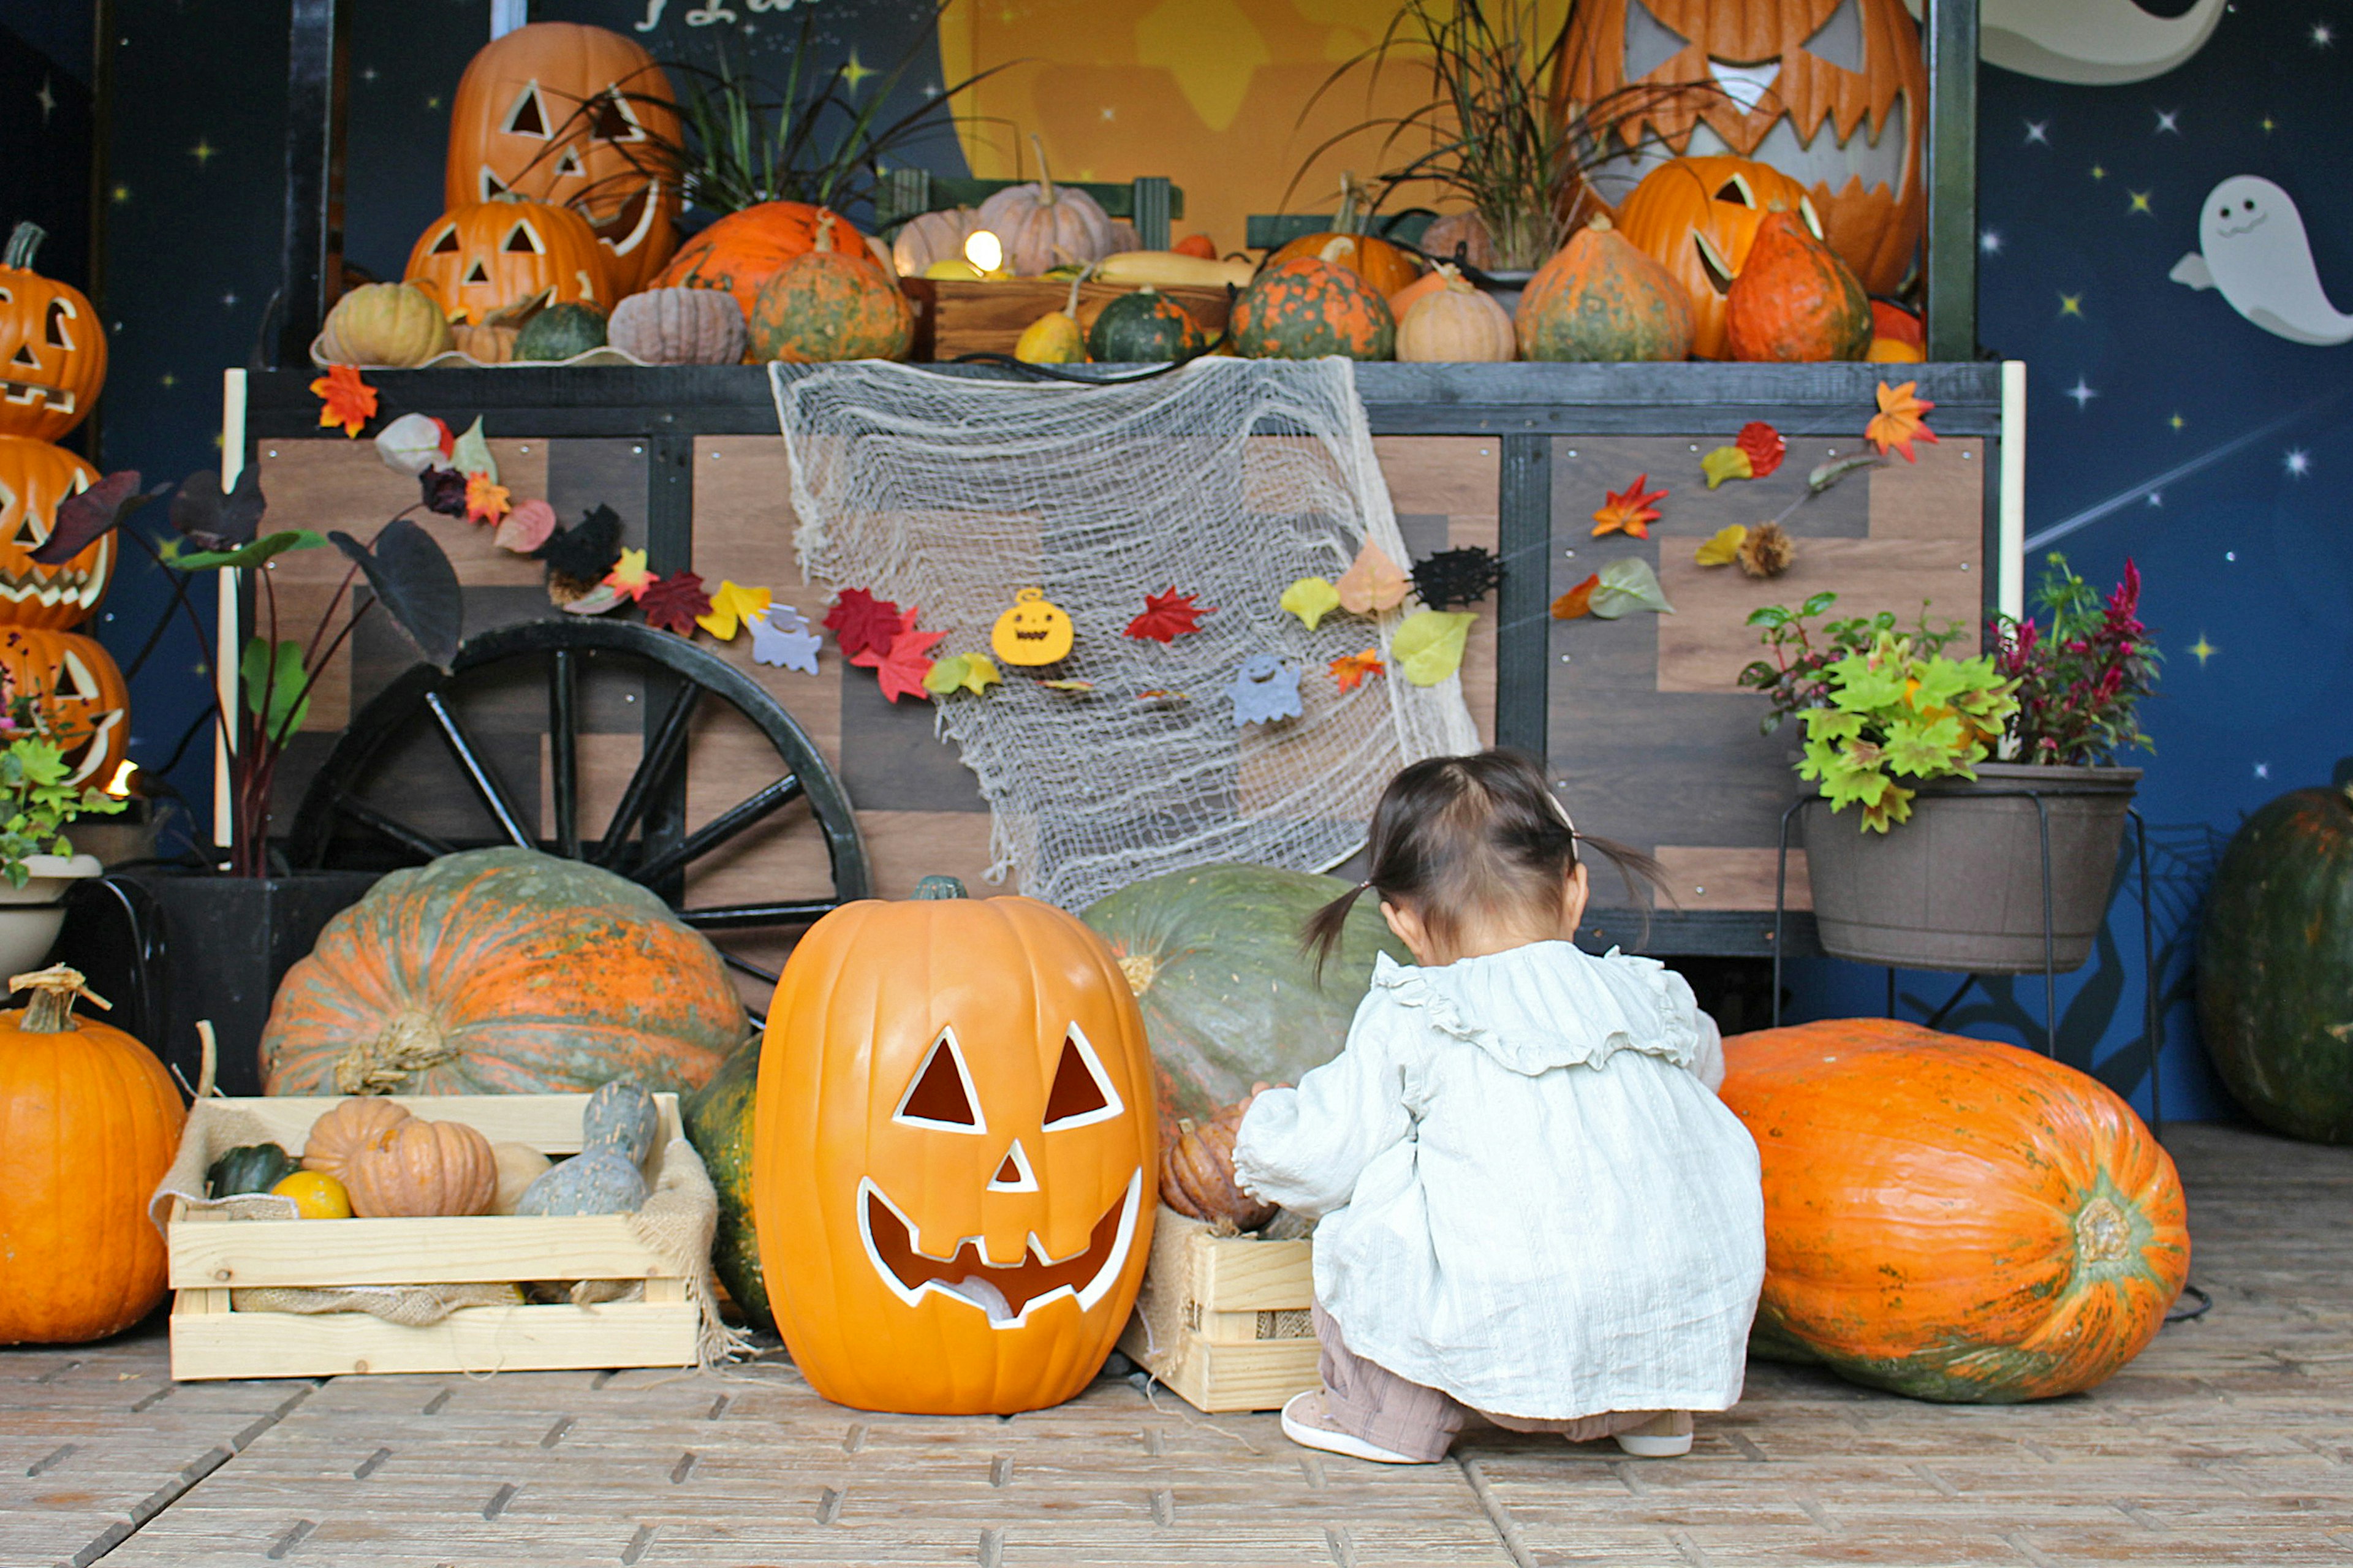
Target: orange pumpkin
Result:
[1795, 301]
[1951, 1218]
[345, 1128]
[52, 349]
[90, 1122]
[34, 478]
[1388, 268]
[487, 256]
[823, 306]
[501, 971]
[1196, 1172]
[953, 1153]
[1697, 217]
[416, 1169]
[574, 116]
[1835, 92]
[742, 250]
[78, 696]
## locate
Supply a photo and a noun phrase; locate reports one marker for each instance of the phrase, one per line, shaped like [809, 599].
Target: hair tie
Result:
[1562, 812]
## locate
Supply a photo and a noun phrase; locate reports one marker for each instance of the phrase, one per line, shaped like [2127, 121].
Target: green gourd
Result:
[621, 1115]
[561, 331]
[718, 1118]
[1143, 328]
[599, 1181]
[249, 1168]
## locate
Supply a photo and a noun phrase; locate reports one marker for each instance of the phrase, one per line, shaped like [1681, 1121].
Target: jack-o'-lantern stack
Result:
[52, 364]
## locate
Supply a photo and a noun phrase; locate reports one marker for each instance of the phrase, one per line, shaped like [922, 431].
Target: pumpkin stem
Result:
[54, 989]
[410, 1044]
[824, 240]
[1045, 196]
[22, 242]
[939, 888]
[1347, 220]
[1338, 245]
[1070, 308]
[1599, 223]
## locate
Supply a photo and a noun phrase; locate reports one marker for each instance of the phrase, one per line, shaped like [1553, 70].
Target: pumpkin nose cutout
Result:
[1013, 1173]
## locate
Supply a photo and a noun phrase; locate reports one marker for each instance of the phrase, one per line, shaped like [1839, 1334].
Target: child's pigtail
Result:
[1630, 863]
[1322, 931]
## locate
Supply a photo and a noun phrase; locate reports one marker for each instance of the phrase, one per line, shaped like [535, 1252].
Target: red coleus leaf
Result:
[902, 669]
[859, 622]
[1168, 616]
[671, 603]
[1764, 445]
[1629, 510]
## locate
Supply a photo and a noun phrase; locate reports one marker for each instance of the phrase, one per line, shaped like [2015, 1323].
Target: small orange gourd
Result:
[90, 1122]
[417, 1168]
[1455, 322]
[347, 1127]
[1795, 301]
[1196, 1172]
[1386, 265]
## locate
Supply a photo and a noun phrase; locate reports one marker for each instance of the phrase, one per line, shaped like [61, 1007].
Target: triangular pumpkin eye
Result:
[447, 243]
[1082, 1092]
[614, 121]
[492, 186]
[477, 273]
[1649, 42]
[568, 162]
[523, 240]
[940, 1096]
[1838, 41]
[59, 314]
[527, 118]
[1736, 191]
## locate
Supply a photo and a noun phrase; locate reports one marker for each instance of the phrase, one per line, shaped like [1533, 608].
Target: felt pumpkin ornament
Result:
[573, 116]
[825, 305]
[1045, 226]
[1035, 631]
[1834, 93]
[1950, 1218]
[1387, 267]
[1698, 218]
[955, 1153]
[1795, 301]
[1307, 308]
[34, 478]
[1455, 323]
[481, 258]
[78, 696]
[416, 1169]
[1600, 299]
[931, 236]
[52, 350]
[742, 250]
[90, 1122]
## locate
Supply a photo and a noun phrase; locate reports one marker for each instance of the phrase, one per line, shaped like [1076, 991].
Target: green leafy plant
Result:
[36, 804]
[1795, 676]
[1896, 712]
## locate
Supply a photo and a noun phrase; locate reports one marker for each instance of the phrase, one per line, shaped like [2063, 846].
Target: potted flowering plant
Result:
[1950, 769]
[38, 861]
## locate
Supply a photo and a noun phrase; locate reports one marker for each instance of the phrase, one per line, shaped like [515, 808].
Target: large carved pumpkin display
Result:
[1698, 218]
[954, 1154]
[52, 350]
[569, 115]
[34, 478]
[78, 696]
[1834, 93]
[1952, 1218]
[486, 256]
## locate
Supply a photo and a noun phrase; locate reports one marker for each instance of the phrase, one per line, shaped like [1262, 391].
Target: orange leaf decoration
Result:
[1577, 601]
[901, 670]
[1629, 510]
[628, 575]
[1350, 670]
[486, 499]
[1899, 421]
[1373, 583]
[347, 400]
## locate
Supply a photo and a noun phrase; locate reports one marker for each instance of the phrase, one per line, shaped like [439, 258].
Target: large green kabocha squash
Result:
[718, 1118]
[2275, 965]
[1229, 998]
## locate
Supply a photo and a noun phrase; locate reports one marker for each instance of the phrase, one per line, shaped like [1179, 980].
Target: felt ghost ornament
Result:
[1265, 688]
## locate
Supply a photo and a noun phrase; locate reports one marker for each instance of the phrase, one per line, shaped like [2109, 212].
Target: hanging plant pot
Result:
[30, 915]
[1959, 886]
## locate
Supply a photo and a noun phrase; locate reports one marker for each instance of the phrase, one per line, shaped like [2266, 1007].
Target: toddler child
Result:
[1530, 1204]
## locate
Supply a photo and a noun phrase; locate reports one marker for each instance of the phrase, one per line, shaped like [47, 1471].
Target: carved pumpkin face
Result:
[1833, 93]
[567, 114]
[1697, 217]
[1034, 631]
[34, 478]
[52, 353]
[950, 1161]
[77, 693]
[487, 255]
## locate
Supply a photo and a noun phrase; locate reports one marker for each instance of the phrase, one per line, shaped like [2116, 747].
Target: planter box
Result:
[1222, 1319]
[954, 316]
[1959, 886]
[212, 1254]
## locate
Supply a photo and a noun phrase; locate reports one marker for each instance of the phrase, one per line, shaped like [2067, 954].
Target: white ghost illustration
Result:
[2253, 249]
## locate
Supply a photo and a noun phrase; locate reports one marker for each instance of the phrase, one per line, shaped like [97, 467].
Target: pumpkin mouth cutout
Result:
[54, 585]
[1006, 1292]
[28, 393]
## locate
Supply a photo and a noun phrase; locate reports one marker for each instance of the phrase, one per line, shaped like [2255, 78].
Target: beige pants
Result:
[1370, 1401]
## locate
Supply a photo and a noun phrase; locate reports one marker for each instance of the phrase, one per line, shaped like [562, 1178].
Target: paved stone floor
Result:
[2230, 1441]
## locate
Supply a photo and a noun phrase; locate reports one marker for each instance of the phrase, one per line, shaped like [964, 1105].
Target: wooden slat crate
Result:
[1222, 1319]
[958, 316]
[212, 1254]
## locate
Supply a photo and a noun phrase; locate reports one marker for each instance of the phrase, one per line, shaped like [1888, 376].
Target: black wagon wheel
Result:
[342, 822]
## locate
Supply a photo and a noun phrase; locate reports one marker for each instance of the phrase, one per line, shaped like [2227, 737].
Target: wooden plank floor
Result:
[2230, 1441]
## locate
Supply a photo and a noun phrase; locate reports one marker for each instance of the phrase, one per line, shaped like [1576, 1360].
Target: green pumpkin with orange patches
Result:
[1307, 309]
[826, 305]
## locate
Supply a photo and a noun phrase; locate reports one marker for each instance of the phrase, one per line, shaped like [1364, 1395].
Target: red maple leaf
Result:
[1630, 510]
[904, 667]
[1764, 445]
[1168, 616]
[859, 622]
[671, 603]
[871, 656]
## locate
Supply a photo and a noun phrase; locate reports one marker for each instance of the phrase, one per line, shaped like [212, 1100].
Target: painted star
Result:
[2140, 202]
[2038, 132]
[2269, 124]
[229, 299]
[2167, 121]
[2298, 463]
[2072, 305]
[1989, 242]
[2177, 422]
[2202, 650]
[204, 152]
[2098, 173]
[46, 100]
[367, 73]
[2262, 770]
[2322, 34]
[120, 195]
[2156, 498]
[855, 71]
[2081, 393]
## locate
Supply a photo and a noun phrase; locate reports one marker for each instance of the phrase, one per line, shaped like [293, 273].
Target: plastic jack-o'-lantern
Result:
[1833, 93]
[574, 116]
[1034, 631]
[34, 478]
[78, 697]
[487, 256]
[1697, 217]
[52, 351]
[955, 1153]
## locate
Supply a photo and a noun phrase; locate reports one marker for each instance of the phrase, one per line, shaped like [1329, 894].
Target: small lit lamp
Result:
[986, 253]
[122, 786]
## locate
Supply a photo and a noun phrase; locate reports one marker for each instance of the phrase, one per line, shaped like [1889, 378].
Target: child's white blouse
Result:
[1528, 1198]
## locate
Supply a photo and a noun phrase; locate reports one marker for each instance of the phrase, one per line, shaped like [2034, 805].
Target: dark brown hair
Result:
[1457, 834]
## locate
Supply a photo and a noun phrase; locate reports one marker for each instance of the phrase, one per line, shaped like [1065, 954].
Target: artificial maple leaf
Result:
[346, 399]
[862, 623]
[1764, 445]
[486, 500]
[1726, 463]
[871, 656]
[1899, 421]
[1578, 601]
[731, 607]
[526, 528]
[1168, 616]
[973, 672]
[671, 603]
[904, 667]
[1350, 668]
[1629, 510]
[1721, 545]
[1373, 583]
[629, 575]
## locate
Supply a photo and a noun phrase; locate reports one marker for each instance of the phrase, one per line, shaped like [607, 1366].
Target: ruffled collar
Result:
[1549, 1005]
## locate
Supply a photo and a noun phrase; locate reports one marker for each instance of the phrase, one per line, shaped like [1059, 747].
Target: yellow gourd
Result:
[316, 1195]
[1055, 338]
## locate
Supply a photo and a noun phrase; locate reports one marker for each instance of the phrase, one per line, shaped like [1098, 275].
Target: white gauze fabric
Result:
[1228, 479]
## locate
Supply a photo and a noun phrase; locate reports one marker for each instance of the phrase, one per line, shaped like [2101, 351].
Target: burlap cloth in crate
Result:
[676, 1223]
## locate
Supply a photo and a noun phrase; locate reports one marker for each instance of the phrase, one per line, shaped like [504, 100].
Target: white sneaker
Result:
[1301, 1418]
[1666, 1435]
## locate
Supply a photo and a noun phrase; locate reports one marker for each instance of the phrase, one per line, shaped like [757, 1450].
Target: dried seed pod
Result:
[1766, 551]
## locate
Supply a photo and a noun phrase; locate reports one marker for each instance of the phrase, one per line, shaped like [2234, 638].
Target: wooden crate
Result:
[956, 316]
[1222, 1319]
[212, 1254]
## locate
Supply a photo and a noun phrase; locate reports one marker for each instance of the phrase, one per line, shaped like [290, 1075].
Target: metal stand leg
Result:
[1782, 904]
[2050, 942]
[2152, 1015]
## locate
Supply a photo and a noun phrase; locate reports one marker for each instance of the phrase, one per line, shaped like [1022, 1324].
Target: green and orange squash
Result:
[2275, 965]
[1795, 301]
[1307, 308]
[501, 971]
[718, 1119]
[827, 305]
[1953, 1219]
[1146, 327]
[1602, 298]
